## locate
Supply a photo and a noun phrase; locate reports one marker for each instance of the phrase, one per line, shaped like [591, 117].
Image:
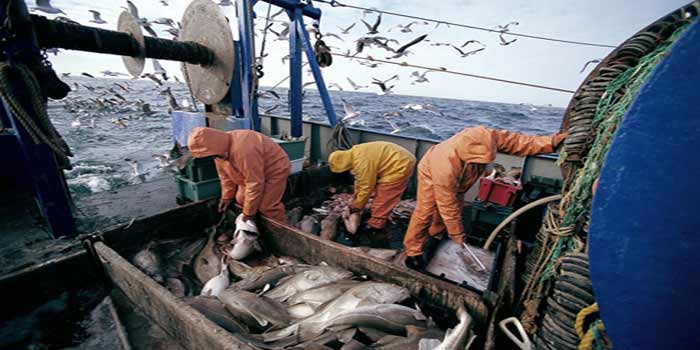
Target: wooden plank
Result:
[179, 320]
[287, 240]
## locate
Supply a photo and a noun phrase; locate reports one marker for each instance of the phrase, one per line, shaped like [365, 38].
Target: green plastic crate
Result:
[198, 190]
[294, 148]
[489, 214]
[200, 169]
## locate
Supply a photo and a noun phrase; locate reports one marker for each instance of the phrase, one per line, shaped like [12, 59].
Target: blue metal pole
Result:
[316, 70]
[247, 62]
[295, 76]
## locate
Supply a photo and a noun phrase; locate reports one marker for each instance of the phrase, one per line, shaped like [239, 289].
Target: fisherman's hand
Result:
[558, 138]
[223, 204]
[248, 218]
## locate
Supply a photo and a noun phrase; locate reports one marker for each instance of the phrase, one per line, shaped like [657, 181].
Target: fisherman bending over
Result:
[448, 170]
[379, 167]
[252, 169]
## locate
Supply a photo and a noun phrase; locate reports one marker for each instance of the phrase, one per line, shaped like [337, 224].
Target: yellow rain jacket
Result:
[372, 163]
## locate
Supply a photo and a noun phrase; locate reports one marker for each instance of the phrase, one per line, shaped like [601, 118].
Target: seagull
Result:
[164, 21]
[133, 9]
[65, 20]
[172, 102]
[269, 110]
[530, 106]
[109, 73]
[407, 28]
[472, 42]
[152, 77]
[337, 86]
[76, 123]
[420, 108]
[403, 50]
[468, 53]
[148, 28]
[372, 29]
[420, 78]
[393, 114]
[437, 43]
[65, 75]
[370, 64]
[177, 80]
[355, 86]
[281, 11]
[597, 60]
[382, 85]
[158, 69]
[45, 6]
[504, 28]
[96, 17]
[173, 31]
[333, 35]
[87, 75]
[505, 42]
[123, 86]
[136, 170]
[346, 30]
[349, 111]
[164, 2]
[163, 160]
[271, 93]
[146, 109]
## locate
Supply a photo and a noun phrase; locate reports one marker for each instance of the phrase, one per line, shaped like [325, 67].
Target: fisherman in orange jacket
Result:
[448, 170]
[383, 168]
[252, 169]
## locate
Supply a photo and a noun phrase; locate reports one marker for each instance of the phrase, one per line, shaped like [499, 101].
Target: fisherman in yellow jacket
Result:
[382, 168]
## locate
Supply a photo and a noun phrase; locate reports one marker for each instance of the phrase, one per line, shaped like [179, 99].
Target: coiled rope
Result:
[49, 136]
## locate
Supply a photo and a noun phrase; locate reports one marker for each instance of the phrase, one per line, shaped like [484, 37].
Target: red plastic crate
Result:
[497, 192]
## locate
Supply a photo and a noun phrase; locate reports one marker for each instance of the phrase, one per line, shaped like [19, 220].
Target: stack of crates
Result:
[198, 180]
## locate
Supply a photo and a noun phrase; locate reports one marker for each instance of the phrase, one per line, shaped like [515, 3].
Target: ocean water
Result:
[103, 153]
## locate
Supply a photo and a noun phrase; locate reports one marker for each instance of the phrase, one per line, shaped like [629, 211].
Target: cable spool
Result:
[130, 25]
[204, 24]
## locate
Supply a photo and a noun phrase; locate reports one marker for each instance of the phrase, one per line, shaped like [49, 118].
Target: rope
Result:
[593, 338]
[334, 3]
[581, 317]
[404, 64]
[340, 138]
[267, 29]
[53, 140]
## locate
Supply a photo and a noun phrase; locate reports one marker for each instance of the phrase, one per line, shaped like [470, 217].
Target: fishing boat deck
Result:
[26, 242]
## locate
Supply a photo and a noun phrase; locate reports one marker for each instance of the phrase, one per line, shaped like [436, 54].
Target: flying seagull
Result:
[505, 42]
[164, 21]
[420, 78]
[349, 111]
[472, 42]
[468, 53]
[346, 30]
[504, 28]
[96, 17]
[597, 60]
[355, 86]
[403, 50]
[87, 75]
[372, 29]
[382, 85]
[158, 69]
[407, 27]
[335, 85]
[420, 108]
[45, 6]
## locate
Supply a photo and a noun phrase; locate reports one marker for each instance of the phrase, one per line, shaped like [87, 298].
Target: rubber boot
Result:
[417, 262]
[377, 237]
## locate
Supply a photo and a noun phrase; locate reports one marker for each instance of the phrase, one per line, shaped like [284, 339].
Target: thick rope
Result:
[581, 318]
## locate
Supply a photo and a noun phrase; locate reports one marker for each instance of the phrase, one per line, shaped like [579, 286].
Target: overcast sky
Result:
[527, 60]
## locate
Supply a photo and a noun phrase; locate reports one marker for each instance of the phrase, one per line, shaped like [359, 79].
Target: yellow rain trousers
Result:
[450, 168]
[252, 168]
[383, 168]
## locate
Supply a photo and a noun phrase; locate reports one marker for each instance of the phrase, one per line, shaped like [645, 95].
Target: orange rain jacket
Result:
[371, 163]
[247, 160]
[449, 169]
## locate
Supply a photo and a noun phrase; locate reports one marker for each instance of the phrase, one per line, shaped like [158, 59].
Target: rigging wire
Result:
[264, 40]
[335, 3]
[405, 64]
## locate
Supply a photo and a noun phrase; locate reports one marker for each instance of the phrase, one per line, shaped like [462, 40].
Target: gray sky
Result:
[527, 60]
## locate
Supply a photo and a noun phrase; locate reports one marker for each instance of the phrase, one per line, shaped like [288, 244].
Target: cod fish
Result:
[254, 310]
[245, 271]
[363, 294]
[207, 264]
[179, 258]
[379, 253]
[298, 311]
[329, 227]
[244, 244]
[313, 277]
[270, 276]
[318, 296]
[456, 339]
[410, 342]
[214, 310]
[218, 283]
[309, 224]
[149, 263]
[176, 286]
[390, 318]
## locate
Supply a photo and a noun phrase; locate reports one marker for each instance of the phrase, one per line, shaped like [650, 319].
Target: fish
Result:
[383, 254]
[329, 227]
[363, 294]
[177, 258]
[318, 296]
[270, 277]
[309, 224]
[300, 310]
[176, 286]
[244, 244]
[313, 277]
[246, 272]
[294, 215]
[207, 264]
[410, 342]
[148, 262]
[390, 318]
[254, 310]
[455, 339]
[214, 310]
[218, 283]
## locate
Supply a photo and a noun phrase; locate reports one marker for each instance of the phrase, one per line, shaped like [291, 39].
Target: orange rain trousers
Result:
[387, 196]
[252, 168]
[450, 168]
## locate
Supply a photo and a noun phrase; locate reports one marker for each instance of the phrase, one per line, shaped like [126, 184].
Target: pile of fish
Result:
[282, 303]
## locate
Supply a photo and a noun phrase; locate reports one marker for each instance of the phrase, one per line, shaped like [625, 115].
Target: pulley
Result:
[128, 24]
